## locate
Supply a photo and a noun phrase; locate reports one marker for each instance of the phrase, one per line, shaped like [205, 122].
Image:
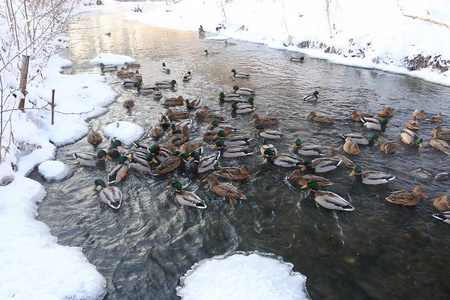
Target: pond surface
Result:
[378, 251]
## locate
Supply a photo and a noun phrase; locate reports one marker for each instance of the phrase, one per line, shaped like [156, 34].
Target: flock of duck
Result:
[180, 151]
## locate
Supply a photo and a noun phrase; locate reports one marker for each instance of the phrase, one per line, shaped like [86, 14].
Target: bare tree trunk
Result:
[23, 80]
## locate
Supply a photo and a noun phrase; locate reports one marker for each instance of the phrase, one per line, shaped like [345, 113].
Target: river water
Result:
[378, 251]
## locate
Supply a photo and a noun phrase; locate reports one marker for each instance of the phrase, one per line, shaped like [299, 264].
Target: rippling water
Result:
[378, 251]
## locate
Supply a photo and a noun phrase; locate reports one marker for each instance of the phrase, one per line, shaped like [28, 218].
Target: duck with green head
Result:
[243, 91]
[229, 97]
[313, 97]
[232, 139]
[166, 84]
[193, 103]
[375, 124]
[112, 196]
[362, 140]
[186, 198]
[232, 151]
[200, 165]
[306, 150]
[119, 172]
[112, 150]
[107, 68]
[265, 145]
[411, 138]
[270, 134]
[91, 160]
[321, 165]
[239, 75]
[242, 108]
[326, 199]
[282, 160]
[371, 177]
[169, 164]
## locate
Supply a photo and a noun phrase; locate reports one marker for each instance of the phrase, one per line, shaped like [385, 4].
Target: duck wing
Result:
[332, 201]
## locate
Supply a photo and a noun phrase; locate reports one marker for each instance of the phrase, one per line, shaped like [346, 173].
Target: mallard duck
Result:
[225, 189]
[268, 133]
[242, 108]
[442, 133]
[375, 124]
[178, 101]
[301, 179]
[111, 195]
[351, 147]
[413, 124]
[187, 76]
[180, 138]
[240, 75]
[389, 147]
[229, 97]
[112, 150]
[156, 132]
[445, 217]
[346, 163]
[233, 173]
[313, 97]
[169, 164]
[119, 172]
[231, 151]
[131, 65]
[437, 118]
[156, 94]
[132, 83]
[164, 121]
[94, 138]
[91, 160]
[362, 140]
[242, 91]
[201, 33]
[297, 59]
[356, 117]
[128, 104]
[165, 69]
[162, 151]
[264, 120]
[442, 176]
[232, 139]
[178, 127]
[419, 114]
[193, 103]
[107, 68]
[166, 84]
[442, 203]
[265, 146]
[306, 150]
[282, 160]
[205, 114]
[371, 177]
[439, 144]
[177, 115]
[407, 198]
[200, 165]
[122, 73]
[216, 126]
[321, 118]
[321, 165]
[387, 112]
[190, 146]
[326, 199]
[141, 163]
[411, 138]
[186, 198]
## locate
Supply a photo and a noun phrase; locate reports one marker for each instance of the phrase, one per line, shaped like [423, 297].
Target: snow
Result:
[382, 30]
[54, 170]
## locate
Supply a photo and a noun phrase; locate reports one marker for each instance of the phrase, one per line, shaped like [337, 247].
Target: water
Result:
[378, 251]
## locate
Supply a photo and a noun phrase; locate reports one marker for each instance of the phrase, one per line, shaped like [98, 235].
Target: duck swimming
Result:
[407, 198]
[371, 177]
[186, 198]
[233, 173]
[119, 172]
[239, 75]
[91, 160]
[302, 179]
[328, 200]
[225, 189]
[111, 195]
[375, 124]
[321, 118]
[313, 97]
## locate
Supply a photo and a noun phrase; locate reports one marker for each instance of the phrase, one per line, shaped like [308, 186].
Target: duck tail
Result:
[343, 136]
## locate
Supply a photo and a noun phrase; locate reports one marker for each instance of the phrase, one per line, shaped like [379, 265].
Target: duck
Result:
[264, 120]
[204, 164]
[187, 76]
[297, 59]
[376, 124]
[268, 133]
[180, 138]
[321, 118]
[301, 179]
[91, 160]
[241, 108]
[442, 176]
[413, 124]
[442, 203]
[142, 163]
[122, 73]
[321, 165]
[442, 133]
[163, 121]
[389, 147]
[205, 114]
[163, 151]
[265, 146]
[313, 97]
[350, 146]
[176, 115]
[111, 196]
[112, 150]
[371, 177]
[406, 198]
[346, 163]
[437, 118]
[166, 84]
[233, 173]
[411, 138]
[362, 140]
[132, 83]
[439, 144]
[107, 68]
[186, 198]
[178, 101]
[201, 32]
[387, 112]
[194, 103]
[119, 172]
[156, 94]
[216, 126]
[94, 137]
[132, 65]
[231, 151]
[240, 75]
[356, 117]
[128, 104]
[445, 217]
[190, 146]
[282, 160]
[169, 164]
[419, 114]
[156, 132]
[306, 150]
[178, 127]
[232, 139]
[229, 97]
[326, 199]
[165, 69]
[243, 91]
[225, 189]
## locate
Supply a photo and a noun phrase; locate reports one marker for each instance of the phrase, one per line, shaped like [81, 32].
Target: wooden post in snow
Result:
[53, 106]
[23, 80]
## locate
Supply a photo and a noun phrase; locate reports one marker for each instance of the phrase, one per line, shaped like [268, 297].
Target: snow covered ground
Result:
[378, 34]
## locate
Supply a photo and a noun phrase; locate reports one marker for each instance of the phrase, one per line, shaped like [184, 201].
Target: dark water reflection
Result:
[378, 251]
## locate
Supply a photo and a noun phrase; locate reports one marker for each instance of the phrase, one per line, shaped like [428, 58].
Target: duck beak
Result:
[95, 187]
[293, 146]
[380, 140]
[420, 145]
[388, 125]
[205, 180]
[262, 155]
[108, 157]
[216, 136]
[423, 194]
[154, 160]
[169, 186]
[189, 157]
[303, 168]
[353, 173]
[305, 186]
[214, 147]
